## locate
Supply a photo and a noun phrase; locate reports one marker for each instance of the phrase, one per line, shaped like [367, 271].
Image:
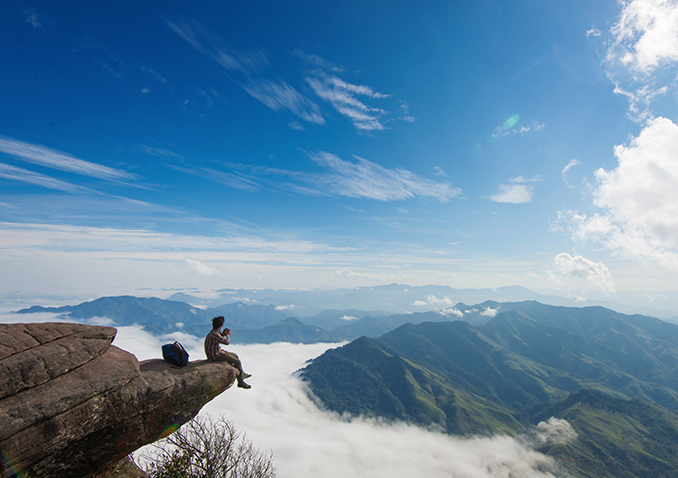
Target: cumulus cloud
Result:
[638, 200]
[51, 158]
[581, 273]
[452, 311]
[435, 301]
[646, 35]
[490, 312]
[285, 307]
[552, 431]
[643, 52]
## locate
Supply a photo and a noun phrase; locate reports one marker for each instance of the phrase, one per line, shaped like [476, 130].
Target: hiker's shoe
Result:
[245, 375]
[244, 385]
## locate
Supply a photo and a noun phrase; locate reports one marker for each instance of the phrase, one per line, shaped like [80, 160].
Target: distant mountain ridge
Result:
[402, 299]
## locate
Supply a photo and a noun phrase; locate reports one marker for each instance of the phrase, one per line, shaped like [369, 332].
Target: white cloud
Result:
[349, 274]
[513, 194]
[518, 192]
[51, 158]
[638, 199]
[593, 32]
[566, 169]
[368, 180]
[577, 272]
[435, 301]
[278, 95]
[22, 175]
[646, 35]
[213, 47]
[348, 317]
[285, 307]
[554, 430]
[643, 52]
[201, 268]
[420, 303]
[490, 312]
[278, 416]
[342, 96]
[452, 311]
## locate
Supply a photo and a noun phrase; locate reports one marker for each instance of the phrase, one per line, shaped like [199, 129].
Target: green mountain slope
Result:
[595, 368]
[617, 438]
[389, 386]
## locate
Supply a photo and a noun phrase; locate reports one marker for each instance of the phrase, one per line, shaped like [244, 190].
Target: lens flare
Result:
[511, 122]
[169, 430]
[7, 464]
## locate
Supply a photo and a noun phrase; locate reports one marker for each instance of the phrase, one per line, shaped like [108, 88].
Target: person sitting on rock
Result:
[215, 353]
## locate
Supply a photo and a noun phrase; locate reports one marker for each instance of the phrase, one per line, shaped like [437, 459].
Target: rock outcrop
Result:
[71, 403]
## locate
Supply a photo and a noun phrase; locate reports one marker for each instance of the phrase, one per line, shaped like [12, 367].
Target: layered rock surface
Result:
[71, 403]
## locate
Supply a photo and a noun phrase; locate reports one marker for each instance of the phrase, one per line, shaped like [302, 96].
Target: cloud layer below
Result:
[278, 415]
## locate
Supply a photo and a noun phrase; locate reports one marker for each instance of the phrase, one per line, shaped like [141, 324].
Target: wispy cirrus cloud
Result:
[214, 47]
[235, 180]
[367, 180]
[29, 177]
[276, 94]
[248, 71]
[566, 169]
[362, 179]
[346, 98]
[343, 97]
[44, 156]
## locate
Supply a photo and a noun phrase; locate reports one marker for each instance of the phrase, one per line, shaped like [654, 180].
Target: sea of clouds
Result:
[278, 416]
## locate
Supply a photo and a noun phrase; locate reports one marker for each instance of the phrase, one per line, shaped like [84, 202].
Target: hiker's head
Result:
[217, 322]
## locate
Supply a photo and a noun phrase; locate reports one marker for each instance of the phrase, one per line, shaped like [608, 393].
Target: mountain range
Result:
[611, 375]
[405, 299]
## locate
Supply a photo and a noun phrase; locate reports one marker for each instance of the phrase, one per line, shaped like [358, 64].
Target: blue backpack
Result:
[175, 354]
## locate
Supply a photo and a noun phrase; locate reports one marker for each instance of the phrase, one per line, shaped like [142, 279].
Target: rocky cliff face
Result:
[71, 403]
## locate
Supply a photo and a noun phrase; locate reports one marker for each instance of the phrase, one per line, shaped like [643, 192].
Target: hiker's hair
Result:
[217, 322]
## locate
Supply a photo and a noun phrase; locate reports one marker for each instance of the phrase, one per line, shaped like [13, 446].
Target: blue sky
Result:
[154, 146]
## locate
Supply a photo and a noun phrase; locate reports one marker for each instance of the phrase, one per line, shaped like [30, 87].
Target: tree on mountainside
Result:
[208, 448]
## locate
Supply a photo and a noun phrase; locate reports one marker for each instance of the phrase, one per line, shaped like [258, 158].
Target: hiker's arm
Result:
[221, 339]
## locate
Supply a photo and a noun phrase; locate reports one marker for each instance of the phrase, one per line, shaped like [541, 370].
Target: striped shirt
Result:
[212, 341]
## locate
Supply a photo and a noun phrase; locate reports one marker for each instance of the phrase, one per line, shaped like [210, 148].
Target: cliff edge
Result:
[71, 404]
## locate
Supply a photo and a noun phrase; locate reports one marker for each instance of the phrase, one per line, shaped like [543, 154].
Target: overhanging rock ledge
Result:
[71, 404]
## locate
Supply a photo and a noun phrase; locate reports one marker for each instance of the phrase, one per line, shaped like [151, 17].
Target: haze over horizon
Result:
[165, 146]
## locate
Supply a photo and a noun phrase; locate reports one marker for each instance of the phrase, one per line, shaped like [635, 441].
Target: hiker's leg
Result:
[234, 360]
